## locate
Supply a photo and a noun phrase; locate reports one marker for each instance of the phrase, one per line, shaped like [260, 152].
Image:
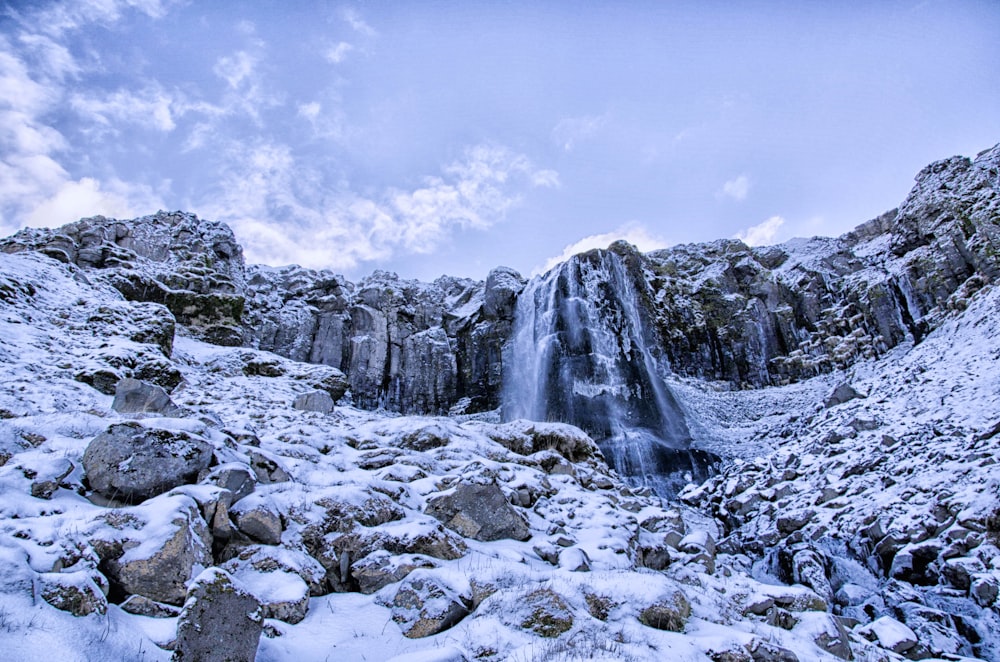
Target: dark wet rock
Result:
[480, 512]
[130, 462]
[220, 622]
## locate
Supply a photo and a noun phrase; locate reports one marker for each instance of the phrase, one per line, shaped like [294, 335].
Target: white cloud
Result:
[571, 130]
[284, 212]
[762, 234]
[151, 108]
[309, 110]
[88, 197]
[634, 233]
[736, 188]
[235, 68]
[337, 54]
[358, 24]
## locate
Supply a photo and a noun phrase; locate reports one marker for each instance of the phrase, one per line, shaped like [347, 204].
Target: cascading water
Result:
[580, 354]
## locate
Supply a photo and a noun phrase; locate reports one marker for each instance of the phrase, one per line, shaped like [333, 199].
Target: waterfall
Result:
[581, 353]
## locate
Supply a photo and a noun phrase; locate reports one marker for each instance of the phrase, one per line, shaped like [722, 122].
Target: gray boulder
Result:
[73, 592]
[840, 394]
[257, 517]
[670, 612]
[137, 397]
[130, 462]
[221, 622]
[154, 551]
[425, 605]
[318, 401]
[480, 512]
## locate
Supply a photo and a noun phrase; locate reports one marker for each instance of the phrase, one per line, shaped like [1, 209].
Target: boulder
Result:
[425, 605]
[826, 632]
[841, 393]
[670, 612]
[257, 517]
[220, 622]
[130, 462]
[282, 593]
[380, 568]
[890, 634]
[984, 589]
[480, 512]
[155, 549]
[137, 397]
[74, 592]
[317, 401]
[548, 613]
[140, 605]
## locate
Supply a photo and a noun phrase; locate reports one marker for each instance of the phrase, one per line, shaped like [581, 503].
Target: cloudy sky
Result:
[451, 137]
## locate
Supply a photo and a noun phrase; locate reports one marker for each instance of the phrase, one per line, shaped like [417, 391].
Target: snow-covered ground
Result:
[350, 491]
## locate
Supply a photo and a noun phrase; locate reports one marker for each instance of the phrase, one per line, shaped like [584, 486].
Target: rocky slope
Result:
[192, 451]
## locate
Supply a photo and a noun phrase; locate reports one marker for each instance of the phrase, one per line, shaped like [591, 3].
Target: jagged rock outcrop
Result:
[759, 316]
[192, 266]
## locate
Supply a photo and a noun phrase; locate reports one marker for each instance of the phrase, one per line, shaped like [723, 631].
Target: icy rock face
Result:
[192, 266]
[759, 316]
[406, 346]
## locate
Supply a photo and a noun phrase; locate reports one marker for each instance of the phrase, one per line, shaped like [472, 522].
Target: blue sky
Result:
[451, 137]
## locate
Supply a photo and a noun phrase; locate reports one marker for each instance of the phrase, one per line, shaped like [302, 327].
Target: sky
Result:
[431, 138]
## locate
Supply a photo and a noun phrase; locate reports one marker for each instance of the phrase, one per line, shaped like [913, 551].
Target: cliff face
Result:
[721, 311]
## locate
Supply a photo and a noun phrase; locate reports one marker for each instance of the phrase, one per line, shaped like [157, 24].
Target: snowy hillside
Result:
[171, 490]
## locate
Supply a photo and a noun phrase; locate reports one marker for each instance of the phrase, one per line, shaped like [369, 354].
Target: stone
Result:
[236, 477]
[670, 612]
[793, 521]
[841, 393]
[129, 462]
[547, 615]
[984, 589]
[890, 634]
[154, 551]
[73, 592]
[480, 512]
[140, 605]
[425, 605]
[380, 568]
[958, 572]
[257, 517]
[574, 559]
[317, 401]
[133, 396]
[765, 651]
[220, 622]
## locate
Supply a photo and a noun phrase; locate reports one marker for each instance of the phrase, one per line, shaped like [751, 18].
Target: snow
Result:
[938, 400]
